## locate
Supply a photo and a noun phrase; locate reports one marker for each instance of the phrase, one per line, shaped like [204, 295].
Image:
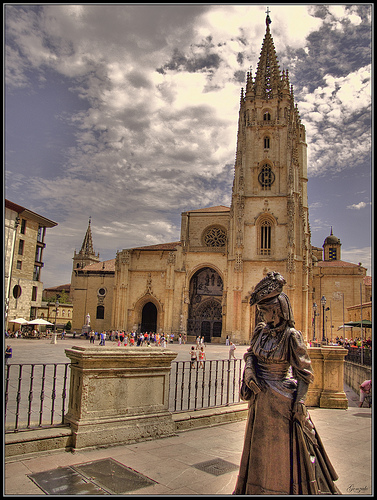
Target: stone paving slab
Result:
[171, 462]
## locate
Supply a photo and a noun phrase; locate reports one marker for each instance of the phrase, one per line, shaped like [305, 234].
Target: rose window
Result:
[215, 237]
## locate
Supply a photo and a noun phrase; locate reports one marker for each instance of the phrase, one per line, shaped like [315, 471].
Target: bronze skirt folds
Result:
[281, 456]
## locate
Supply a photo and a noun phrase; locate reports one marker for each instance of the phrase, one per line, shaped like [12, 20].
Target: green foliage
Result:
[62, 298]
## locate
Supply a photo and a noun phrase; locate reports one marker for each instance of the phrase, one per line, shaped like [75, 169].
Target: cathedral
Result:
[201, 284]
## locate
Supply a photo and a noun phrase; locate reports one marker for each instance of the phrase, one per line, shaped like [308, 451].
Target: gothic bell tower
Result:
[269, 219]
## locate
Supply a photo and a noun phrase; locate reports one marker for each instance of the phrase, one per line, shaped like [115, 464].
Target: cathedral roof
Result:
[106, 265]
[160, 247]
[336, 263]
[219, 208]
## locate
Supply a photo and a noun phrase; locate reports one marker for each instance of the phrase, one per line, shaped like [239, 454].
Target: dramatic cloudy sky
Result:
[128, 114]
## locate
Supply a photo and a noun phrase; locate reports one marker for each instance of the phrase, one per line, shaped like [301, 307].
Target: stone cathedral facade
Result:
[201, 285]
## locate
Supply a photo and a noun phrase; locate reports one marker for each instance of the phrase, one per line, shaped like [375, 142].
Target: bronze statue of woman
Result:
[283, 453]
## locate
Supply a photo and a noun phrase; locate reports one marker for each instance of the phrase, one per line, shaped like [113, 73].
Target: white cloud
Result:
[358, 206]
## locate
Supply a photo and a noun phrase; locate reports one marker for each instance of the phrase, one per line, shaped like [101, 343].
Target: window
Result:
[266, 177]
[332, 253]
[101, 292]
[41, 234]
[265, 238]
[38, 254]
[36, 273]
[23, 226]
[100, 312]
[34, 293]
[215, 237]
[266, 143]
[17, 291]
[21, 245]
[19, 264]
[266, 116]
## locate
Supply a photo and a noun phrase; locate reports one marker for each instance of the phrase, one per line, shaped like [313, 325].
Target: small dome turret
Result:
[332, 240]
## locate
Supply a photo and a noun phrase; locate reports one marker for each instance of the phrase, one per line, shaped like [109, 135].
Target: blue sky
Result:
[128, 114]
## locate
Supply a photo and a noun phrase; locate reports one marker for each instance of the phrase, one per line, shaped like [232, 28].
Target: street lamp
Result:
[53, 341]
[315, 314]
[323, 303]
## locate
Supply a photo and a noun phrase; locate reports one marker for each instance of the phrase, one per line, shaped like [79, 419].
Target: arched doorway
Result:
[149, 318]
[205, 310]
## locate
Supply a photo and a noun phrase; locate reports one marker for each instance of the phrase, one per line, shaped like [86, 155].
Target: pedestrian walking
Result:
[232, 348]
[8, 354]
[103, 338]
[193, 356]
[202, 357]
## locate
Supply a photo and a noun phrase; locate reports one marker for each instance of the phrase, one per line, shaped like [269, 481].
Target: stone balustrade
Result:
[327, 391]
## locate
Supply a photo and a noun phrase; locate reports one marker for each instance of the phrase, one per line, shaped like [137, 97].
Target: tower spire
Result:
[268, 80]
[87, 245]
[268, 19]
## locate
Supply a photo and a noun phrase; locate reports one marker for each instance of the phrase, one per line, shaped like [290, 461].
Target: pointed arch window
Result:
[266, 116]
[265, 238]
[265, 232]
[266, 141]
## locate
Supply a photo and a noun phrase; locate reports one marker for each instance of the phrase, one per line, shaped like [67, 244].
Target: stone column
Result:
[327, 391]
[119, 395]
[333, 395]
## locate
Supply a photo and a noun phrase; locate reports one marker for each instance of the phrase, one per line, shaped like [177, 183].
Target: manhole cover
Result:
[216, 467]
[100, 477]
[113, 476]
[65, 481]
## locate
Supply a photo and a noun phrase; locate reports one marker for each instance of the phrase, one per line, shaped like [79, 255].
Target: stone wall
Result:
[355, 374]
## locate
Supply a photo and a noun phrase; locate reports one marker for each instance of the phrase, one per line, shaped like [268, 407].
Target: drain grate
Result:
[216, 467]
[100, 477]
[114, 476]
[65, 481]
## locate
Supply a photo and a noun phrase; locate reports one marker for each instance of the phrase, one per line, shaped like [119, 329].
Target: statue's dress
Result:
[282, 455]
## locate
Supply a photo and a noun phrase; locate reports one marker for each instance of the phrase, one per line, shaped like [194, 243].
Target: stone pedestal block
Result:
[328, 365]
[119, 395]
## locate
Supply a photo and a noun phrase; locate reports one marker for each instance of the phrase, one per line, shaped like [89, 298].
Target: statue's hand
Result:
[251, 380]
[299, 411]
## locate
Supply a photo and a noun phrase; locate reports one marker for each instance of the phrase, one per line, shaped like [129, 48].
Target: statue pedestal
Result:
[85, 330]
[119, 395]
[328, 365]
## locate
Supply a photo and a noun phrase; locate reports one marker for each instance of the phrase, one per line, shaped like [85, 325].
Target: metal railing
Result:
[359, 355]
[216, 383]
[35, 395]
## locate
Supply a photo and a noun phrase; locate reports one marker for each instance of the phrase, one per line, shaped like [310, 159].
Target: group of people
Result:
[133, 338]
[357, 342]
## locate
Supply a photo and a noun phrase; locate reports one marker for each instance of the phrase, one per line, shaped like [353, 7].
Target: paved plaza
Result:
[196, 462]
